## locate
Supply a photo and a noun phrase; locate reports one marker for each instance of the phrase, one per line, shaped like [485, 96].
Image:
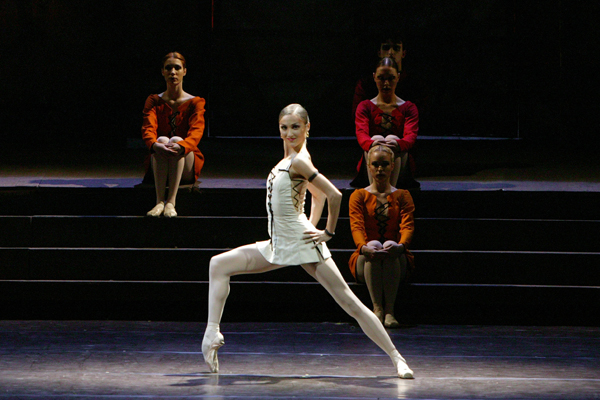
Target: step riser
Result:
[254, 302]
[444, 204]
[219, 232]
[192, 265]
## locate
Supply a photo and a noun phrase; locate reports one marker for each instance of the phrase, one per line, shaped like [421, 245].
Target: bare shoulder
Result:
[302, 160]
[302, 165]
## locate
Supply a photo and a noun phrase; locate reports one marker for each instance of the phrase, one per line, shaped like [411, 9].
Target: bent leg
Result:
[177, 167]
[400, 160]
[160, 168]
[400, 168]
[373, 277]
[242, 260]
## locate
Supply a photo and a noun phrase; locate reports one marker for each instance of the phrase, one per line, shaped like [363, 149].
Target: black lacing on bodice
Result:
[172, 122]
[381, 215]
[386, 125]
[270, 204]
[297, 193]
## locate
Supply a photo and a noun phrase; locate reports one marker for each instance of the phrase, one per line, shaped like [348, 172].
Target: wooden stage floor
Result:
[163, 360]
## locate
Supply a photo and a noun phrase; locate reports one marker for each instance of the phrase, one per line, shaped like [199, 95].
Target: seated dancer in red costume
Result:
[388, 120]
[294, 241]
[172, 128]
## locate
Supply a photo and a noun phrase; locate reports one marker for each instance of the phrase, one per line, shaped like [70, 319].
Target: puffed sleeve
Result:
[196, 125]
[411, 127]
[150, 122]
[362, 121]
[357, 208]
[407, 220]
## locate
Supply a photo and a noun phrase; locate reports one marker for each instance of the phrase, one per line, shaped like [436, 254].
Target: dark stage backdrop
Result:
[78, 71]
[460, 53]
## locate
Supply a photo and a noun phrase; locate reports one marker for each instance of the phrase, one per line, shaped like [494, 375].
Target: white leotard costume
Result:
[287, 221]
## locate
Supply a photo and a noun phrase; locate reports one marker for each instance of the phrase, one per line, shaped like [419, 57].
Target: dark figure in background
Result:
[172, 128]
[390, 121]
[409, 86]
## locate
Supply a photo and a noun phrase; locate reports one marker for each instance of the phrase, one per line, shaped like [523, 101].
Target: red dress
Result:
[187, 123]
[367, 222]
[404, 122]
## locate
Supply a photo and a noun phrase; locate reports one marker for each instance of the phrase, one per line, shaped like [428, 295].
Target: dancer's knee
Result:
[163, 139]
[377, 138]
[389, 243]
[175, 139]
[215, 269]
[376, 244]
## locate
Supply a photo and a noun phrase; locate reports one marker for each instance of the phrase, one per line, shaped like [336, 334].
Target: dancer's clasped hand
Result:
[167, 149]
[374, 253]
[315, 236]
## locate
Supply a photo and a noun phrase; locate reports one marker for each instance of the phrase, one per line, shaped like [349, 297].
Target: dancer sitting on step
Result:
[382, 223]
[172, 128]
[294, 241]
[387, 119]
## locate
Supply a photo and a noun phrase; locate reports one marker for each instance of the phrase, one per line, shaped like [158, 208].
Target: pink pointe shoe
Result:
[403, 371]
[209, 350]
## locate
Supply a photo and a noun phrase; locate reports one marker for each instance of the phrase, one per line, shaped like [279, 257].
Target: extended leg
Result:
[327, 273]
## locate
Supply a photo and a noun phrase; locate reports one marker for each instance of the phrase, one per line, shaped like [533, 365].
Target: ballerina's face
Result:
[381, 165]
[173, 71]
[293, 130]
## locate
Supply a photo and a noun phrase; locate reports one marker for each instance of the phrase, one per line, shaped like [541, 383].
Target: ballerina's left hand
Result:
[315, 236]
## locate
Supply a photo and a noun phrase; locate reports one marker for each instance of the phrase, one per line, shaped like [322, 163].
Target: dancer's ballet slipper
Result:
[157, 210]
[391, 322]
[210, 348]
[402, 367]
[170, 211]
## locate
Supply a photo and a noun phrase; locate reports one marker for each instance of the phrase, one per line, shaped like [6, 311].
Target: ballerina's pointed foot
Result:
[209, 350]
[403, 371]
[157, 210]
[170, 211]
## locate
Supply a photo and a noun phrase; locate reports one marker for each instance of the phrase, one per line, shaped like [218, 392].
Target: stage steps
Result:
[69, 253]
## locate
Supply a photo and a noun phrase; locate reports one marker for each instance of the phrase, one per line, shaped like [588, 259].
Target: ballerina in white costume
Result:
[294, 241]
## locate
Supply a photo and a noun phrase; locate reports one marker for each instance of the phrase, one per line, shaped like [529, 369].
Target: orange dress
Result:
[187, 123]
[368, 222]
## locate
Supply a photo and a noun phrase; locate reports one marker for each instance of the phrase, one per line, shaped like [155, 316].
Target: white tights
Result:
[248, 260]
